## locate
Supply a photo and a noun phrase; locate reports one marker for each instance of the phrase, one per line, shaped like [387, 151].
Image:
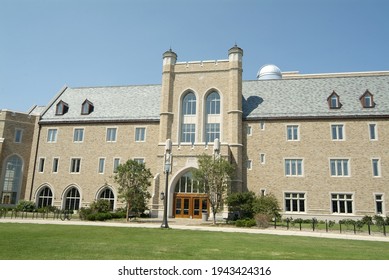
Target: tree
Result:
[213, 177]
[134, 179]
[242, 204]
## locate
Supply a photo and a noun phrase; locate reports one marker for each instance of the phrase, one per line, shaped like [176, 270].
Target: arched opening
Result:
[189, 202]
[107, 194]
[45, 197]
[72, 199]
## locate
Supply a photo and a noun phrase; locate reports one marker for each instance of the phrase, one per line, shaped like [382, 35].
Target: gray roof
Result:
[307, 97]
[304, 97]
[124, 103]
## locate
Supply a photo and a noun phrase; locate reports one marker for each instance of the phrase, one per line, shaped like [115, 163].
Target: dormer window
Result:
[333, 101]
[62, 108]
[367, 100]
[87, 107]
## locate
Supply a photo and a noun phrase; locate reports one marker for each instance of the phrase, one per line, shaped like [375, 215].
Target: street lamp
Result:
[167, 168]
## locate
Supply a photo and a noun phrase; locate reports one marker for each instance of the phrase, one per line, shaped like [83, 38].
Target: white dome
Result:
[269, 72]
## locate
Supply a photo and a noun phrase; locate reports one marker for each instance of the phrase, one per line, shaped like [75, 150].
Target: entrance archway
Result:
[189, 202]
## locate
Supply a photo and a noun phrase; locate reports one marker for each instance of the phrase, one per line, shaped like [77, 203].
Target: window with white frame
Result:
[55, 165]
[101, 167]
[139, 160]
[293, 167]
[116, 162]
[249, 164]
[18, 135]
[339, 167]
[140, 134]
[376, 167]
[107, 194]
[342, 203]
[78, 135]
[52, 135]
[379, 204]
[188, 118]
[111, 134]
[373, 131]
[45, 197]
[213, 119]
[249, 130]
[292, 132]
[294, 202]
[41, 166]
[337, 132]
[262, 125]
[75, 165]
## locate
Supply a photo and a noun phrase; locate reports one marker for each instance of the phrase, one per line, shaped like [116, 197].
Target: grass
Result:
[71, 242]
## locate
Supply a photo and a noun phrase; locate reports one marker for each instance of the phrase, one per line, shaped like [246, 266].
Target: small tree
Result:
[213, 177]
[134, 179]
[242, 203]
[266, 207]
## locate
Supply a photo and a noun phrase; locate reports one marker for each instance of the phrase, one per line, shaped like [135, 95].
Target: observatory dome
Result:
[269, 72]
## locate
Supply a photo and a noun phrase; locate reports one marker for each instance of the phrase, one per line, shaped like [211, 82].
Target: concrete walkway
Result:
[192, 224]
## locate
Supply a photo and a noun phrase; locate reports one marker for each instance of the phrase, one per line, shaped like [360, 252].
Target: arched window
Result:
[188, 118]
[185, 184]
[12, 180]
[72, 199]
[107, 194]
[45, 197]
[212, 126]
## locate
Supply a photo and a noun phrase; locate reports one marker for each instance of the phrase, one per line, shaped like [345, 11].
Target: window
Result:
[212, 127]
[188, 133]
[262, 158]
[140, 134]
[78, 135]
[101, 165]
[262, 125]
[45, 197]
[41, 166]
[72, 199]
[18, 135]
[55, 165]
[186, 184]
[292, 132]
[379, 204]
[139, 160]
[339, 167]
[111, 134]
[75, 165]
[333, 101]
[12, 180]
[116, 162]
[61, 108]
[188, 119]
[107, 194]
[376, 167]
[87, 107]
[249, 164]
[295, 202]
[52, 135]
[337, 132]
[373, 131]
[293, 167]
[249, 130]
[367, 100]
[342, 203]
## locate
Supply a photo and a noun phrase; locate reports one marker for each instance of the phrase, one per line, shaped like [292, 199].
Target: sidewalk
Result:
[192, 224]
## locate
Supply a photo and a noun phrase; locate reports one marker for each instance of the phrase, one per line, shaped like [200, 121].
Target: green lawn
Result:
[71, 242]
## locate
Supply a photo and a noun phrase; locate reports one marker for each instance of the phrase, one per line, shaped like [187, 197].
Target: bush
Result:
[25, 205]
[245, 222]
[242, 203]
[267, 204]
[100, 206]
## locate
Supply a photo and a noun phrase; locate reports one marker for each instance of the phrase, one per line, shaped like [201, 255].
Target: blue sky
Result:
[46, 44]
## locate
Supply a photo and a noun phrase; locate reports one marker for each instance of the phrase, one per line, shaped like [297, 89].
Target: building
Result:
[318, 142]
[16, 138]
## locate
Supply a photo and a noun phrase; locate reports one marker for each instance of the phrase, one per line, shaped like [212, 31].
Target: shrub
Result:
[267, 204]
[245, 222]
[100, 206]
[242, 203]
[25, 205]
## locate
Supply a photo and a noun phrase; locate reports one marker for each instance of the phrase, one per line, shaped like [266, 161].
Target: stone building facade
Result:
[317, 142]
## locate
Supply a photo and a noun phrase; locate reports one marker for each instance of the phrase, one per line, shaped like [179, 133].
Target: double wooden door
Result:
[190, 206]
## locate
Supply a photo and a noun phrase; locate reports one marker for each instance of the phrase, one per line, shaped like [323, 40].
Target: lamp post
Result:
[167, 168]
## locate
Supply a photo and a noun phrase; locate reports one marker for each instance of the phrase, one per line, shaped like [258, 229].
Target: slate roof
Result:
[262, 99]
[307, 97]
